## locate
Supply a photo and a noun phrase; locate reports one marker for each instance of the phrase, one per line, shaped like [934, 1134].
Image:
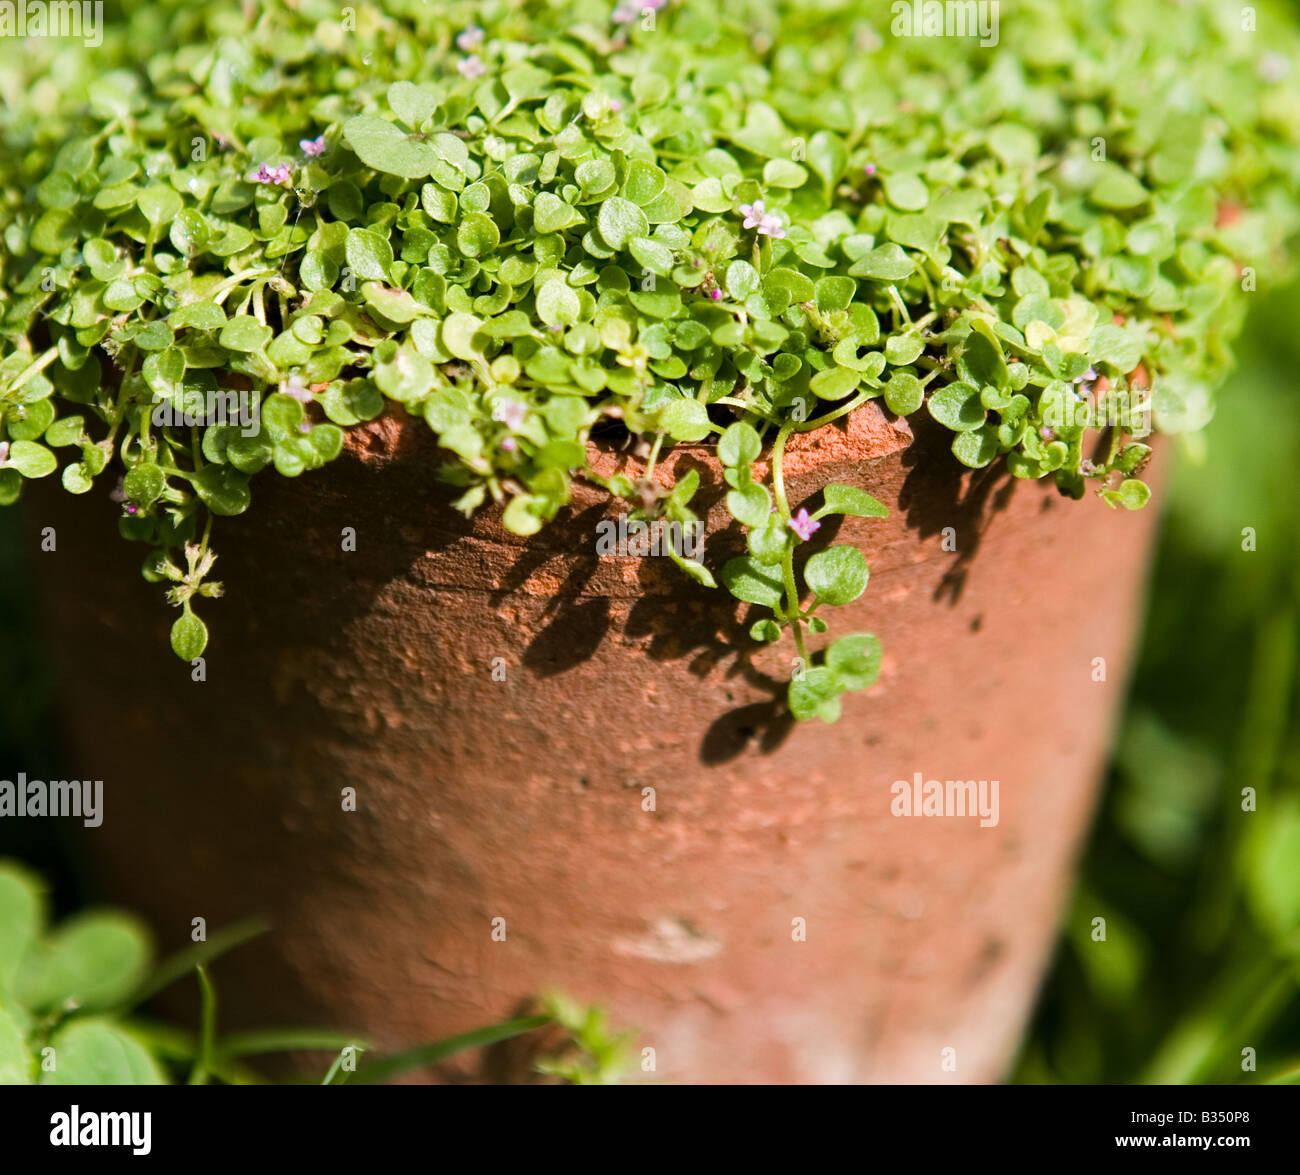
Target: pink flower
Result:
[313, 147]
[803, 525]
[511, 413]
[715, 294]
[757, 216]
[4, 452]
[293, 386]
[869, 169]
[471, 67]
[509, 444]
[754, 213]
[471, 35]
[277, 174]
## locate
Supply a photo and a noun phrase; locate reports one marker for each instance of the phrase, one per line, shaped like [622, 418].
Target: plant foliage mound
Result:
[233, 232]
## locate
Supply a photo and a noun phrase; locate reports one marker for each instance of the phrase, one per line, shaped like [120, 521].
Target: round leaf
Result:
[838, 575]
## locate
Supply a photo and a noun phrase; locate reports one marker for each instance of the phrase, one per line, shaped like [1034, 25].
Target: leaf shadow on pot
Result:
[575, 626]
[938, 494]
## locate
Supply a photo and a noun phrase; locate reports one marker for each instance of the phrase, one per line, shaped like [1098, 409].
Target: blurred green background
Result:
[1201, 899]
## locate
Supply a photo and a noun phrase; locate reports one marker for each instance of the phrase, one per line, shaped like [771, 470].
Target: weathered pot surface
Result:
[573, 750]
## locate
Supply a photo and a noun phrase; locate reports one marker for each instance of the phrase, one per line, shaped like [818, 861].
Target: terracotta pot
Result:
[521, 794]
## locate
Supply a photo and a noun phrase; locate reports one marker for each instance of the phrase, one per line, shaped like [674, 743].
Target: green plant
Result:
[591, 1054]
[528, 223]
[69, 1000]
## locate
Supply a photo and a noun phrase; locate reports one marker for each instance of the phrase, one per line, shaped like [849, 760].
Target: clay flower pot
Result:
[566, 777]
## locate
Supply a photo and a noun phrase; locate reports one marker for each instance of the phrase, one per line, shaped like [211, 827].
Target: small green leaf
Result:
[477, 235]
[369, 255]
[739, 444]
[750, 504]
[957, 406]
[742, 280]
[768, 542]
[1132, 494]
[685, 420]
[32, 460]
[222, 489]
[520, 515]
[557, 303]
[842, 499]
[884, 263]
[22, 914]
[828, 157]
[855, 660]
[244, 333]
[553, 215]
[620, 220]
[834, 383]
[838, 574]
[815, 693]
[159, 204]
[383, 146]
[98, 1052]
[144, 484]
[751, 581]
[976, 448]
[93, 960]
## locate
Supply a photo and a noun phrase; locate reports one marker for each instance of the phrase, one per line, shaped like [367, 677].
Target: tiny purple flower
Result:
[758, 217]
[304, 426]
[471, 67]
[754, 213]
[509, 444]
[615, 106]
[469, 37]
[293, 386]
[511, 413]
[772, 226]
[131, 508]
[803, 525]
[715, 294]
[869, 170]
[313, 147]
[277, 174]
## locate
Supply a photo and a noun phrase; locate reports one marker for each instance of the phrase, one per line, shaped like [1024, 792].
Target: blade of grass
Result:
[180, 964]
[284, 1040]
[431, 1054]
[208, 1029]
